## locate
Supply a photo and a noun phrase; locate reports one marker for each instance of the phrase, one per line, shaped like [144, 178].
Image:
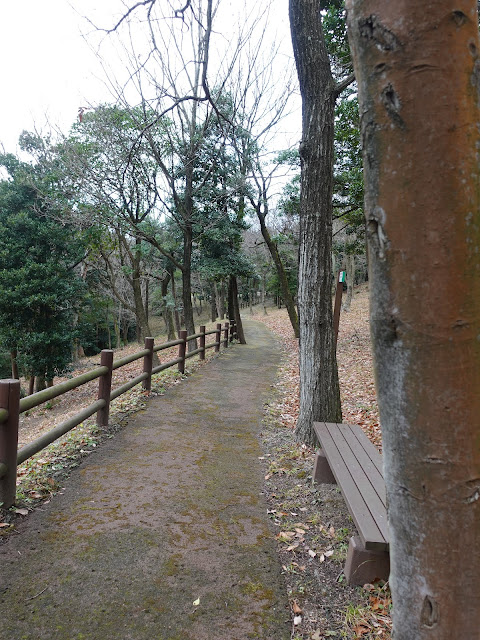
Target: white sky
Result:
[48, 70]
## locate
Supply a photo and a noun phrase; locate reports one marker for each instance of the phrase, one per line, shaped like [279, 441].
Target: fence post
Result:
[182, 348]
[232, 330]
[225, 334]
[9, 400]
[105, 387]
[148, 364]
[202, 342]
[218, 337]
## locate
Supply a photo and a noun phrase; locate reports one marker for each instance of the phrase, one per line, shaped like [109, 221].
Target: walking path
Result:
[163, 532]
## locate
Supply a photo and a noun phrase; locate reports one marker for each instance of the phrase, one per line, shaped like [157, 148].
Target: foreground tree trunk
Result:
[319, 388]
[418, 72]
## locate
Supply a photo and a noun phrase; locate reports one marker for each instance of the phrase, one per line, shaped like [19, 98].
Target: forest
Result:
[167, 206]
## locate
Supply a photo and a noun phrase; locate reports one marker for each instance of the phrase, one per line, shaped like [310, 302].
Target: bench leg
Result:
[364, 566]
[322, 473]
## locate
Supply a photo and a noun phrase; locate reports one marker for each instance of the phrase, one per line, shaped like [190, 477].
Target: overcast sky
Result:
[48, 69]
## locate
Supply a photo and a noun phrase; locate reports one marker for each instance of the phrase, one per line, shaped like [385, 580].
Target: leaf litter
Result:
[313, 553]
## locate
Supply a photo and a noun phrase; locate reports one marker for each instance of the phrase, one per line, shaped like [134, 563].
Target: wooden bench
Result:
[349, 459]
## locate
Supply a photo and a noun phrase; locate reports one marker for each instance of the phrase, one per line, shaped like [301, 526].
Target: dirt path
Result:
[168, 513]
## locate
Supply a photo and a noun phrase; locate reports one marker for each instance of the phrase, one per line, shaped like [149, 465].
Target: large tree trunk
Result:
[418, 74]
[319, 388]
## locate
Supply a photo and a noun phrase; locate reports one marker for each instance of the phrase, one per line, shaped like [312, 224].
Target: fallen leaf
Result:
[318, 635]
[311, 553]
[292, 547]
[268, 476]
[360, 630]
[295, 608]
[297, 620]
[286, 536]
[4, 524]
[328, 554]
[196, 602]
[22, 512]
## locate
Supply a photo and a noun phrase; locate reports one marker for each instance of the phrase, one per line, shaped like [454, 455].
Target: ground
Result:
[310, 524]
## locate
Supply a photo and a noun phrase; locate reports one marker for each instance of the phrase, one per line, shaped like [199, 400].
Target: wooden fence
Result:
[11, 406]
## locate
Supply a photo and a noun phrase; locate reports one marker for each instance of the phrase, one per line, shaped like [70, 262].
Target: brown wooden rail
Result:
[11, 406]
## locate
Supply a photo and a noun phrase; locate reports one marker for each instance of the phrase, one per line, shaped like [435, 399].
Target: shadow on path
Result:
[168, 512]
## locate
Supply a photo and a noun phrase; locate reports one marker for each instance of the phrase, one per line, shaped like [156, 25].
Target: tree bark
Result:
[213, 305]
[350, 269]
[13, 361]
[319, 388]
[234, 311]
[40, 383]
[166, 311]
[282, 276]
[220, 299]
[187, 286]
[418, 71]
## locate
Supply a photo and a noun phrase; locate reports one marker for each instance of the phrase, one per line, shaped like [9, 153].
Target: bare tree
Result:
[418, 80]
[319, 388]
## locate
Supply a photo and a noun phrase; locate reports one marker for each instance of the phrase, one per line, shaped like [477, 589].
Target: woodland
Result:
[179, 196]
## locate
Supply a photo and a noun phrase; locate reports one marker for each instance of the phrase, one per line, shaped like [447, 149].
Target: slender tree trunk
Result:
[319, 388]
[417, 68]
[213, 305]
[147, 299]
[141, 316]
[282, 276]
[31, 385]
[116, 325]
[14, 364]
[234, 310]
[178, 325]
[350, 269]
[40, 384]
[187, 286]
[166, 311]
[220, 296]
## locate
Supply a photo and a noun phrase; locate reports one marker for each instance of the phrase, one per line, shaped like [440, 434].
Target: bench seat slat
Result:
[370, 533]
[367, 477]
[370, 459]
[366, 458]
[369, 448]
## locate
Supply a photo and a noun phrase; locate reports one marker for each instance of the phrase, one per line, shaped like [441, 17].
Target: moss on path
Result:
[169, 512]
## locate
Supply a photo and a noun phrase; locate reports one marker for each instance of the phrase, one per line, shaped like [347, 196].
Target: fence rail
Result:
[11, 406]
